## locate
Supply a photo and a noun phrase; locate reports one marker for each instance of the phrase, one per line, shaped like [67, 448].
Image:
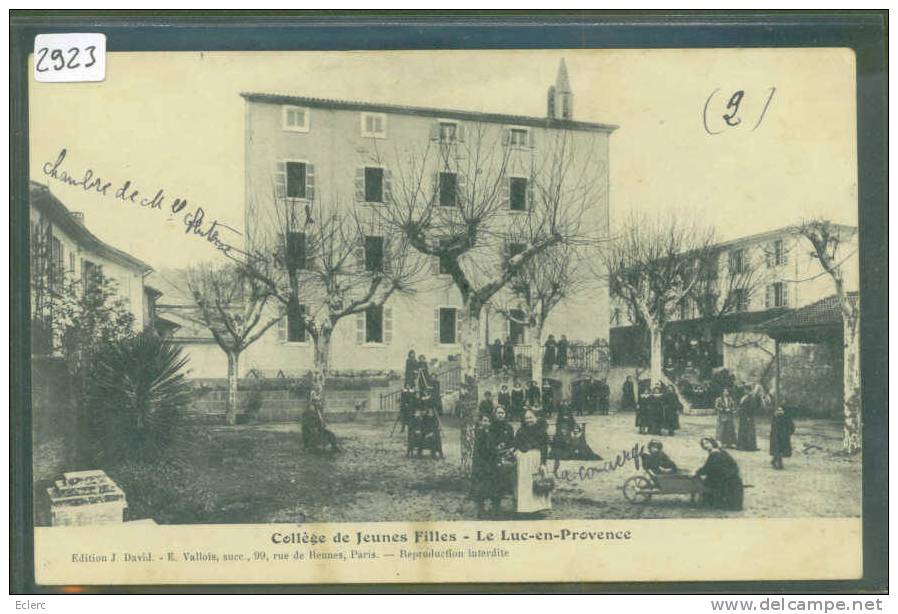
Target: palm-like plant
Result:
[136, 395]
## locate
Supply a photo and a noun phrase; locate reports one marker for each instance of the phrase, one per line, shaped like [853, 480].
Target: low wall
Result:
[284, 400]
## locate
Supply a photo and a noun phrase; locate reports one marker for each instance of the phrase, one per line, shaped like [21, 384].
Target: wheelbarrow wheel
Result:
[637, 489]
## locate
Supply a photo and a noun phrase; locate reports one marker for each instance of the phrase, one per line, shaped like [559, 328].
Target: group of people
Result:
[503, 359]
[658, 409]
[420, 408]
[591, 396]
[736, 423]
[518, 399]
[511, 463]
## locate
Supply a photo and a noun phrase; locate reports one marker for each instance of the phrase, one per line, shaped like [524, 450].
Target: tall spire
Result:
[562, 85]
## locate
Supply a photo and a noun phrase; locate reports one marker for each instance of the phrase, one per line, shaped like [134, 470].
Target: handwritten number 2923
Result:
[57, 58]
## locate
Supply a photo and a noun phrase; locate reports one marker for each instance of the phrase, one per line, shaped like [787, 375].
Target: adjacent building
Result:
[64, 252]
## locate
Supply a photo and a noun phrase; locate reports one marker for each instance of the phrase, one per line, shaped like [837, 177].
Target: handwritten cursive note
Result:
[194, 218]
[730, 112]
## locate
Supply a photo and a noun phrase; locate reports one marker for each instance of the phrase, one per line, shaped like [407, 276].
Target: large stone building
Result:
[301, 150]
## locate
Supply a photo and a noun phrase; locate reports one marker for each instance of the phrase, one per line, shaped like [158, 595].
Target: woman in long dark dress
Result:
[502, 446]
[423, 371]
[561, 352]
[496, 355]
[751, 405]
[531, 444]
[726, 410]
[670, 413]
[549, 353]
[720, 476]
[518, 399]
[411, 369]
[504, 397]
[628, 395]
[781, 429]
[483, 465]
[534, 395]
[508, 355]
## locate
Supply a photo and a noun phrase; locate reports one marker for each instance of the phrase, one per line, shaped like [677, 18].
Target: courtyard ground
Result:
[260, 474]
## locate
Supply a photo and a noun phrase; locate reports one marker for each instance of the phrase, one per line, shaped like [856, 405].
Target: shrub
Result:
[136, 393]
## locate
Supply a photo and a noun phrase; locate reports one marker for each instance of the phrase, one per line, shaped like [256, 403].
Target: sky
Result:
[175, 121]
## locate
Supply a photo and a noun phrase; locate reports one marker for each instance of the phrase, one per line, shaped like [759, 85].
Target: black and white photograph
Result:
[501, 287]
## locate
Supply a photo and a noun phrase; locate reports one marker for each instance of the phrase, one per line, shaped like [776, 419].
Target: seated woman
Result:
[655, 461]
[720, 476]
[531, 444]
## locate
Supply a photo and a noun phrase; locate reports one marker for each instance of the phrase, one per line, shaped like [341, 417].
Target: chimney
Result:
[78, 216]
[564, 97]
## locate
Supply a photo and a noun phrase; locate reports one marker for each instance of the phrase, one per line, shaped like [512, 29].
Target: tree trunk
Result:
[656, 359]
[851, 385]
[536, 355]
[470, 350]
[321, 369]
[233, 363]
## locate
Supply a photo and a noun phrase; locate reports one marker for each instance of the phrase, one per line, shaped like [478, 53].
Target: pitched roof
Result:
[500, 118]
[823, 313]
[43, 199]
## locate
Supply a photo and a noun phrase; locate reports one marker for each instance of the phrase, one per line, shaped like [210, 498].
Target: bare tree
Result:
[323, 260]
[234, 309]
[532, 295]
[652, 265]
[825, 239]
[482, 206]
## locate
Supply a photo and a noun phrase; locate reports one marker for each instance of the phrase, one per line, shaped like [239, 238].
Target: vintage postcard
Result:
[446, 316]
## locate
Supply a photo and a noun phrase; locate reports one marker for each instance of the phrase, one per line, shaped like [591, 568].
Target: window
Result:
[779, 253]
[443, 260]
[57, 258]
[374, 254]
[91, 274]
[374, 324]
[737, 261]
[296, 250]
[740, 299]
[448, 132]
[296, 119]
[777, 295]
[448, 189]
[518, 137]
[71, 263]
[374, 125]
[517, 196]
[296, 327]
[296, 179]
[448, 325]
[374, 184]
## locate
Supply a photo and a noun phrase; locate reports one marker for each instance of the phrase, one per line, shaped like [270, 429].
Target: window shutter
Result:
[388, 186]
[505, 193]
[310, 181]
[436, 326]
[360, 328]
[770, 254]
[360, 185]
[460, 131]
[785, 294]
[280, 180]
[531, 139]
[282, 327]
[768, 296]
[531, 195]
[785, 253]
[435, 131]
[359, 253]
[388, 325]
[309, 247]
[387, 261]
[461, 183]
[506, 136]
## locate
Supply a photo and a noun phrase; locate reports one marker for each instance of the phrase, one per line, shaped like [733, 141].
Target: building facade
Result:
[762, 277]
[65, 251]
[302, 150]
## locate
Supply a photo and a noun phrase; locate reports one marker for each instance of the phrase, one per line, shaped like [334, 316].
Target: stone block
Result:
[85, 498]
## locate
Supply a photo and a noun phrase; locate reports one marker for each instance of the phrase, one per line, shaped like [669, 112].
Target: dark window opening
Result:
[448, 189]
[515, 327]
[296, 180]
[737, 261]
[448, 320]
[374, 254]
[296, 251]
[374, 185]
[518, 194]
[448, 132]
[374, 324]
[296, 328]
[740, 299]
